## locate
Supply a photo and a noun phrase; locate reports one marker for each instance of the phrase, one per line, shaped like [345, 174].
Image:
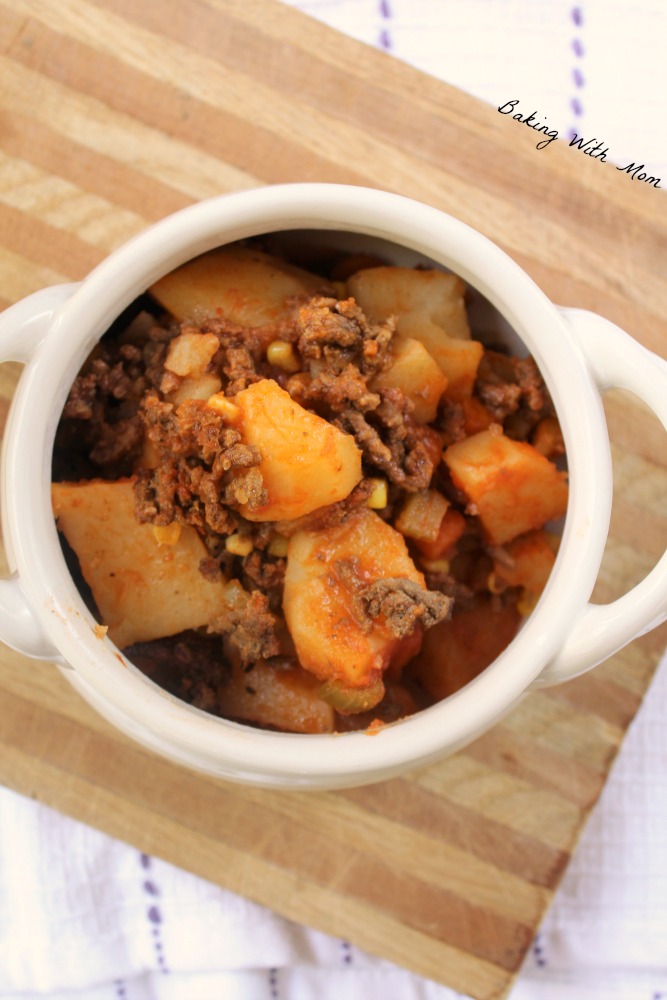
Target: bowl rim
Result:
[232, 748]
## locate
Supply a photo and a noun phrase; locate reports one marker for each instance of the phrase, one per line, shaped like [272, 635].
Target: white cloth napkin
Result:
[84, 917]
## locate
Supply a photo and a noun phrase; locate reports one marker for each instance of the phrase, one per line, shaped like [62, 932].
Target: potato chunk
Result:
[456, 651]
[530, 560]
[243, 286]
[188, 356]
[324, 571]
[405, 293]
[191, 352]
[306, 462]
[429, 307]
[514, 488]
[418, 375]
[143, 590]
[282, 697]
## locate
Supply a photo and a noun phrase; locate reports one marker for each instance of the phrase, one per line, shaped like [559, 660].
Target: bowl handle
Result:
[22, 328]
[614, 359]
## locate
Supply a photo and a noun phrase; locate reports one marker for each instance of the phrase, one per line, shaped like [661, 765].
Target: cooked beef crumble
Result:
[403, 603]
[202, 467]
[513, 391]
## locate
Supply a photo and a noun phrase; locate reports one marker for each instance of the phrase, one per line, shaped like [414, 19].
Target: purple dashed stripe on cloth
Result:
[538, 951]
[154, 914]
[273, 984]
[576, 104]
[384, 38]
[346, 952]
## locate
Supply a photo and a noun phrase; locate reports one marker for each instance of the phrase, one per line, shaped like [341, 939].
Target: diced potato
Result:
[417, 374]
[455, 651]
[243, 286]
[195, 387]
[143, 589]
[191, 352]
[451, 528]
[324, 569]
[307, 463]
[406, 293]
[513, 487]
[532, 558]
[285, 698]
[421, 515]
[548, 438]
[457, 359]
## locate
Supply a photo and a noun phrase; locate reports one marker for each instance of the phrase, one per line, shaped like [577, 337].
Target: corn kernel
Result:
[224, 407]
[527, 602]
[495, 584]
[281, 354]
[378, 498]
[239, 545]
[435, 565]
[167, 534]
[278, 546]
[234, 595]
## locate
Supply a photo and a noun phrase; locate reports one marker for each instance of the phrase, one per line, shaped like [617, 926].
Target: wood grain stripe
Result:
[422, 855]
[528, 760]
[117, 137]
[21, 273]
[599, 696]
[506, 799]
[118, 183]
[53, 201]
[417, 808]
[196, 112]
[45, 246]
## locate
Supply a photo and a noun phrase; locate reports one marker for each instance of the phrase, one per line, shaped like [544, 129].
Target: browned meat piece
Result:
[339, 392]
[204, 466]
[189, 665]
[251, 631]
[403, 603]
[514, 392]
[406, 453]
[339, 333]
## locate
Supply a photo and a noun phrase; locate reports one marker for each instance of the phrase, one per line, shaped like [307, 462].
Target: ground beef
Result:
[263, 573]
[403, 604]
[250, 630]
[334, 393]
[203, 467]
[392, 443]
[99, 433]
[514, 392]
[337, 333]
[239, 357]
[451, 421]
[189, 665]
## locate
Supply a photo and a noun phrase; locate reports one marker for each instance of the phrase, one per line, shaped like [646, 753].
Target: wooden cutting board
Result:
[115, 113]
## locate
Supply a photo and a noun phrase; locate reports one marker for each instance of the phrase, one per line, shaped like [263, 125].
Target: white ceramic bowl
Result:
[579, 354]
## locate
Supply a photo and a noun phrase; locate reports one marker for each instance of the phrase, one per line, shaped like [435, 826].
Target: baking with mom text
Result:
[591, 147]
